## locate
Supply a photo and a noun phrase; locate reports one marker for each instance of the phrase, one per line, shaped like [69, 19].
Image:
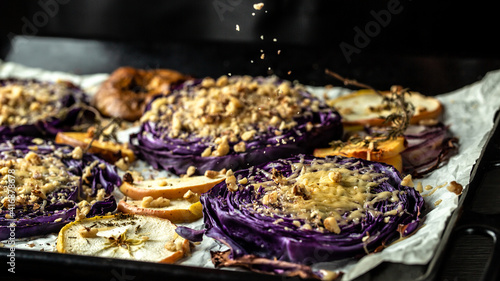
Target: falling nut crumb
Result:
[258, 6]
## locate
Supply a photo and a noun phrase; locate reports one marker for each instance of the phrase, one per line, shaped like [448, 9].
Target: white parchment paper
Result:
[469, 112]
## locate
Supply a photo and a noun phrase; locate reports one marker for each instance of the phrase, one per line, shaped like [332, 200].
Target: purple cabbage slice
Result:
[281, 210]
[37, 108]
[428, 147]
[233, 123]
[44, 186]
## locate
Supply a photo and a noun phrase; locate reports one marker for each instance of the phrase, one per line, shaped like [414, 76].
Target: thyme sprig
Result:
[107, 131]
[400, 120]
[397, 98]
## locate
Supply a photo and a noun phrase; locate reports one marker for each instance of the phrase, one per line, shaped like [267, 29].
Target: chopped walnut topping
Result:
[191, 197]
[455, 187]
[38, 141]
[270, 198]
[33, 158]
[248, 135]
[190, 171]
[211, 174]
[123, 164]
[309, 126]
[175, 245]
[207, 82]
[35, 177]
[306, 226]
[231, 181]
[101, 193]
[82, 210]
[128, 178]
[87, 172]
[207, 152]
[149, 202]
[232, 109]
[162, 182]
[26, 102]
[331, 225]
[407, 181]
[240, 147]
[222, 148]
[77, 153]
[170, 246]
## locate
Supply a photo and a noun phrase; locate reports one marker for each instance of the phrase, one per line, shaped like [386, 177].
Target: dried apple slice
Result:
[365, 107]
[177, 210]
[108, 150]
[170, 188]
[373, 149]
[136, 237]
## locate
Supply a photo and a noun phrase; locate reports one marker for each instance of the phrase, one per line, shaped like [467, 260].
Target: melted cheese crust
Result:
[26, 102]
[323, 196]
[33, 178]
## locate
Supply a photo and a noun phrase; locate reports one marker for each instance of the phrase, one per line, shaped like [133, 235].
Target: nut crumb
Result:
[123, 164]
[407, 181]
[258, 6]
[128, 178]
[191, 197]
[455, 187]
[190, 171]
[331, 225]
[149, 202]
[211, 174]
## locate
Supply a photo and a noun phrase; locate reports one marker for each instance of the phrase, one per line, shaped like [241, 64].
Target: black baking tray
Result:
[466, 221]
[425, 48]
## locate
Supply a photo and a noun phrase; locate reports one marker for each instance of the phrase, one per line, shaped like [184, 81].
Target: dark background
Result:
[430, 46]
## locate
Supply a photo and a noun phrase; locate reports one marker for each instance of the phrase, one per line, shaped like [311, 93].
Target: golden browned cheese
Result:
[326, 195]
[35, 177]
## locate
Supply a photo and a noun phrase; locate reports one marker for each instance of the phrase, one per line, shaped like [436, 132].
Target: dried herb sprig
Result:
[101, 131]
[400, 120]
[396, 98]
